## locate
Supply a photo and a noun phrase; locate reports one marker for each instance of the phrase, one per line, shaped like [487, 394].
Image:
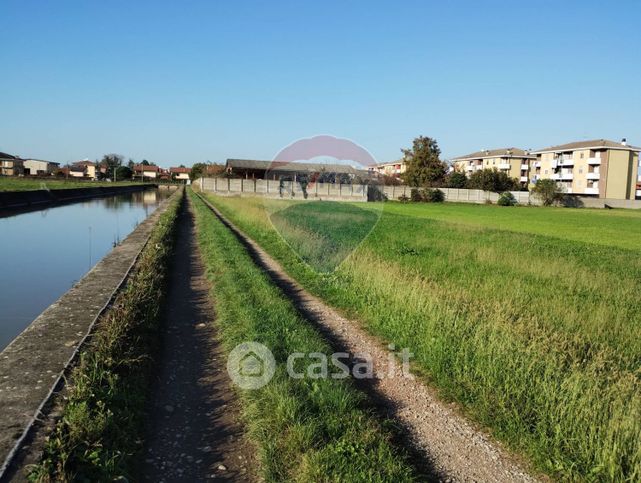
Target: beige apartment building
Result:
[600, 168]
[514, 162]
[394, 168]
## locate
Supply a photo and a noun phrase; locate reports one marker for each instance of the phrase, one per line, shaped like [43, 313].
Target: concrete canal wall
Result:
[15, 200]
[33, 365]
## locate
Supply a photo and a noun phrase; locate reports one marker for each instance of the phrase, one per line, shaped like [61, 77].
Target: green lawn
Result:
[529, 317]
[9, 183]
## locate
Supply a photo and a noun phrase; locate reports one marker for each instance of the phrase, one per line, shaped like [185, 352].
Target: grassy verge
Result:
[535, 334]
[9, 183]
[100, 430]
[306, 429]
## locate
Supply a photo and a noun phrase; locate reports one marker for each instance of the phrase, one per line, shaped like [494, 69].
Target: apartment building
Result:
[393, 169]
[514, 162]
[11, 165]
[600, 168]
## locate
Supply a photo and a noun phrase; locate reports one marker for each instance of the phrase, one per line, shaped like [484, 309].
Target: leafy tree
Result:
[491, 179]
[144, 162]
[456, 179]
[423, 164]
[548, 191]
[111, 162]
[123, 172]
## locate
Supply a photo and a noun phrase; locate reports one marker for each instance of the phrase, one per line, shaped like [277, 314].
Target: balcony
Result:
[591, 191]
[594, 161]
[593, 175]
[537, 164]
[566, 162]
[525, 167]
[469, 168]
[563, 176]
[524, 179]
[505, 166]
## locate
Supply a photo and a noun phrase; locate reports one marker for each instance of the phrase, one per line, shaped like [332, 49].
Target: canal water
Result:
[43, 253]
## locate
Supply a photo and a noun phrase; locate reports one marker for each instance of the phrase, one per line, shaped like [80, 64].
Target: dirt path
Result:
[454, 449]
[194, 432]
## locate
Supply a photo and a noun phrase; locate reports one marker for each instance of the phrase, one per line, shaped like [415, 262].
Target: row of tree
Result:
[425, 169]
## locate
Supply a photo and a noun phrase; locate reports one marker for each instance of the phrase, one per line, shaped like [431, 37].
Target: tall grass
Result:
[538, 336]
[99, 434]
[306, 429]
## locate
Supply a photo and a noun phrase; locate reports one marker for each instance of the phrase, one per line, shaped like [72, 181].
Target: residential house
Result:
[11, 165]
[393, 169]
[83, 169]
[146, 171]
[180, 174]
[600, 168]
[514, 162]
[40, 167]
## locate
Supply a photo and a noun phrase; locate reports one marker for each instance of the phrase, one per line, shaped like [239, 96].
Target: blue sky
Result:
[181, 82]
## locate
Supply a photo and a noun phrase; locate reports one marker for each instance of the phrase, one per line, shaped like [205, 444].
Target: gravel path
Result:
[194, 431]
[454, 448]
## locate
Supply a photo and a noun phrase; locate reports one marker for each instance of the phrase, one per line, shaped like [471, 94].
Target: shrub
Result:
[433, 195]
[404, 199]
[416, 195]
[456, 179]
[492, 180]
[548, 191]
[506, 199]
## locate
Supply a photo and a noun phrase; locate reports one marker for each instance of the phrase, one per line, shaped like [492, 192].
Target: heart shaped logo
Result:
[323, 200]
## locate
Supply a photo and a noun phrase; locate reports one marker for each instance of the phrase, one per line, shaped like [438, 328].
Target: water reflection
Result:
[43, 253]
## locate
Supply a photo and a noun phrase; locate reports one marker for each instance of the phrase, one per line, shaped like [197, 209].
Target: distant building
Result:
[514, 162]
[83, 169]
[394, 169]
[255, 169]
[180, 174]
[40, 167]
[601, 168]
[145, 171]
[11, 165]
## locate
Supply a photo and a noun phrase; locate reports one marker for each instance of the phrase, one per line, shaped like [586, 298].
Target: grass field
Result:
[306, 429]
[10, 183]
[530, 318]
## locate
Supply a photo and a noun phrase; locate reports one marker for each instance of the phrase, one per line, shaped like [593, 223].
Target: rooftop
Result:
[593, 144]
[495, 153]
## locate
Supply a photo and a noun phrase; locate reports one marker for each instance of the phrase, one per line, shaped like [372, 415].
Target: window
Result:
[581, 155]
[546, 172]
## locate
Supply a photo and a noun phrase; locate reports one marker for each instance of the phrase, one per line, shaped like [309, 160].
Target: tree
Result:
[423, 164]
[123, 172]
[144, 162]
[456, 179]
[111, 162]
[490, 179]
[548, 191]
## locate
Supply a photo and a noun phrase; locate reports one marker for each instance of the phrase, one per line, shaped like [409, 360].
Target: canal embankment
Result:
[19, 200]
[95, 337]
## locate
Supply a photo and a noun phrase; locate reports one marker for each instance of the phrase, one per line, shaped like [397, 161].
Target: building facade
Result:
[11, 165]
[39, 167]
[600, 168]
[180, 174]
[394, 169]
[514, 162]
